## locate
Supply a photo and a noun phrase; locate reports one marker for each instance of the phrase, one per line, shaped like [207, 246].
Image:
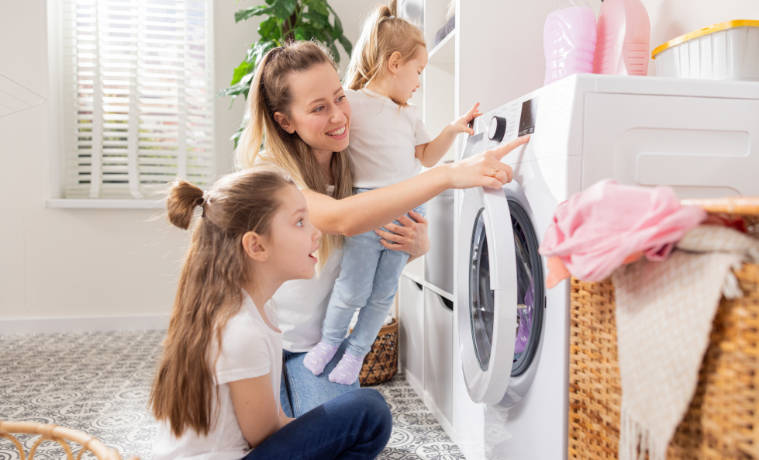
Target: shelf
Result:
[415, 270]
[426, 284]
[444, 52]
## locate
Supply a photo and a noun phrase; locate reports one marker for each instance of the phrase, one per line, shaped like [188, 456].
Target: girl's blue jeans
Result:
[302, 391]
[356, 425]
[368, 280]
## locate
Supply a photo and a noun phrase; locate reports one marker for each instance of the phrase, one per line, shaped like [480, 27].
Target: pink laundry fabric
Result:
[596, 230]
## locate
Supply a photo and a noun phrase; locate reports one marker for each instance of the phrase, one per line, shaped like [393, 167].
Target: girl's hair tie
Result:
[204, 200]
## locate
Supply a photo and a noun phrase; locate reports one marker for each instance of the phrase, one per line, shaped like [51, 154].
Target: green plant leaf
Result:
[236, 136]
[346, 44]
[257, 51]
[234, 90]
[317, 17]
[319, 6]
[268, 29]
[239, 72]
[311, 31]
[247, 78]
[252, 11]
[338, 27]
[283, 9]
[335, 53]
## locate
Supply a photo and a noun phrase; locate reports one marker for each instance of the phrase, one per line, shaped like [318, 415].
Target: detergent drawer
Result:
[703, 147]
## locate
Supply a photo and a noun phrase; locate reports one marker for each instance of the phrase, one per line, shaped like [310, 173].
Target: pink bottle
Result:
[569, 40]
[624, 35]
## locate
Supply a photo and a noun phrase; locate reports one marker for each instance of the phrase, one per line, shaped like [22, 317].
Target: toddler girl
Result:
[388, 144]
[216, 392]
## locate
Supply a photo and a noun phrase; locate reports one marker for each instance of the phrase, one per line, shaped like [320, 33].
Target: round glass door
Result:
[482, 300]
[530, 297]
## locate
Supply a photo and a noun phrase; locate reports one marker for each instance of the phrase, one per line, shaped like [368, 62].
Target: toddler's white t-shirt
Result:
[383, 138]
[249, 348]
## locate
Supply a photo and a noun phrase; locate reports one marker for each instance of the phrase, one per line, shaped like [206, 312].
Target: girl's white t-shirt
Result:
[249, 348]
[383, 139]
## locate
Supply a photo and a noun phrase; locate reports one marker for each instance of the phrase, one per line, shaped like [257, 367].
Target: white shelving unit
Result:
[493, 55]
[426, 310]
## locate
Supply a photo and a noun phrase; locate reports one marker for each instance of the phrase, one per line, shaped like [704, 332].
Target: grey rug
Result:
[99, 383]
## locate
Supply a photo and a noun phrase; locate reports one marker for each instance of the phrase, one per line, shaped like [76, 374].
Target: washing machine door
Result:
[500, 313]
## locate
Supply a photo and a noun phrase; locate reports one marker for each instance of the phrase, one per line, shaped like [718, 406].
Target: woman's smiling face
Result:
[320, 112]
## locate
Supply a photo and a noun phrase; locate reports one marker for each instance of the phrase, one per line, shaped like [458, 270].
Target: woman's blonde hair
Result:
[270, 93]
[210, 289]
[382, 34]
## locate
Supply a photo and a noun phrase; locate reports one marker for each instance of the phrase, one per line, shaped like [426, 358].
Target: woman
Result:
[299, 112]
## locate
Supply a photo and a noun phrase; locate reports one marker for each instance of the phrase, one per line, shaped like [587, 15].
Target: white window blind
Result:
[138, 96]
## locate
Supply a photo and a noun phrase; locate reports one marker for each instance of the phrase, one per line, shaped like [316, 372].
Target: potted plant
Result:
[288, 20]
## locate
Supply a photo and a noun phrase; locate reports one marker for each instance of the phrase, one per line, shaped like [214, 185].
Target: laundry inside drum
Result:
[529, 280]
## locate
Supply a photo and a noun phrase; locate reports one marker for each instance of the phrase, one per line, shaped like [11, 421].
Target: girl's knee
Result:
[373, 404]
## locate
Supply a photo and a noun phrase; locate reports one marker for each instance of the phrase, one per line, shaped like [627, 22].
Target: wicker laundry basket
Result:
[722, 421]
[381, 364]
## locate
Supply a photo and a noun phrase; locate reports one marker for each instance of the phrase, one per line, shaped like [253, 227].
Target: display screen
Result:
[528, 117]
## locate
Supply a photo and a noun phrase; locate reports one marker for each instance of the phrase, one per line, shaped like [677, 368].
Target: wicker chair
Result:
[57, 434]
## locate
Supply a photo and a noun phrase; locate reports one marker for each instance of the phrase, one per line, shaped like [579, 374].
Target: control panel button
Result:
[497, 129]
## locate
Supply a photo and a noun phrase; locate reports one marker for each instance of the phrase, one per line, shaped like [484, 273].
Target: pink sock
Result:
[319, 356]
[347, 370]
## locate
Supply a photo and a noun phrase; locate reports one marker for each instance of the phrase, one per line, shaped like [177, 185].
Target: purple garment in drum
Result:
[525, 322]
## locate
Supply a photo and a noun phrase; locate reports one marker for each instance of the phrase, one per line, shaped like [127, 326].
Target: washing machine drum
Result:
[501, 326]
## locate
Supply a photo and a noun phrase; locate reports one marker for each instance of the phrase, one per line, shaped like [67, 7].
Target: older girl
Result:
[216, 393]
[298, 110]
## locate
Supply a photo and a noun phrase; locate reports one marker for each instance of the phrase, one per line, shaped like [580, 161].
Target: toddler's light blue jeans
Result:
[368, 280]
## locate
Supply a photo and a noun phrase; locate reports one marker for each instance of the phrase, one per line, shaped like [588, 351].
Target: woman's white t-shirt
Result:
[383, 139]
[302, 306]
[249, 348]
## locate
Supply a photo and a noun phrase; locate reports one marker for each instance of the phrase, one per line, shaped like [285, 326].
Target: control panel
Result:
[516, 119]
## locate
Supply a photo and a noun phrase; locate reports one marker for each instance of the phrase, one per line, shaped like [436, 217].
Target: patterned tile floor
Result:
[99, 383]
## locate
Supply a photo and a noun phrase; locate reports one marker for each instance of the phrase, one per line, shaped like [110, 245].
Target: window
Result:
[137, 95]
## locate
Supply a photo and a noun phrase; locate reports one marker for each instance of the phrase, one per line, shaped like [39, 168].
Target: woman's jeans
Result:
[356, 425]
[368, 280]
[302, 391]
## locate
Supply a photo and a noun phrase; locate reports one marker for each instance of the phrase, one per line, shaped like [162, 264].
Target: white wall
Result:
[77, 263]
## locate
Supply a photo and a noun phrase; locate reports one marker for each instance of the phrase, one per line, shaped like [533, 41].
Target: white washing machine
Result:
[511, 369]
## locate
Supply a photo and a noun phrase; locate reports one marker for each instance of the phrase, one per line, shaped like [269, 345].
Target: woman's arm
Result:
[256, 410]
[371, 210]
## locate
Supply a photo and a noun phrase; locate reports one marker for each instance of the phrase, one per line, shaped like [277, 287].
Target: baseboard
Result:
[13, 326]
[415, 384]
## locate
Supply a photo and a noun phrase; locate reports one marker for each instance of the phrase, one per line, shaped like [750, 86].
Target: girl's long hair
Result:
[382, 34]
[210, 289]
[270, 93]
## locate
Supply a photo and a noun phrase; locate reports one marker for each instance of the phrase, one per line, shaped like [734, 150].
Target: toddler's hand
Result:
[462, 124]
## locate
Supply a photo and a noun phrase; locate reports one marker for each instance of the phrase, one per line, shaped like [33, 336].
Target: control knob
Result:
[497, 129]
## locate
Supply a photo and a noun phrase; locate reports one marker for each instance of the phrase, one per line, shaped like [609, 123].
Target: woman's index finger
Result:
[504, 150]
